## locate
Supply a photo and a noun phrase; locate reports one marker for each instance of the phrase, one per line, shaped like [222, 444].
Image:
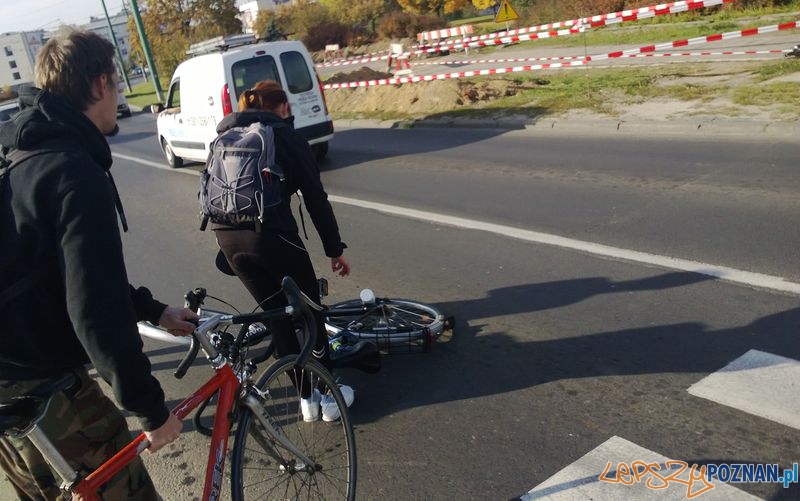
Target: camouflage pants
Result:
[86, 428]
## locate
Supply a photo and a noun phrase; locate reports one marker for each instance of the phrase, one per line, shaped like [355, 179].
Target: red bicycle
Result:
[276, 453]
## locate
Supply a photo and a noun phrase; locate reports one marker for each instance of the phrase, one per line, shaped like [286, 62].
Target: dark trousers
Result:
[261, 260]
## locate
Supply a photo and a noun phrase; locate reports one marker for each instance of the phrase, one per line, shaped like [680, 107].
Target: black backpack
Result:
[241, 178]
[8, 161]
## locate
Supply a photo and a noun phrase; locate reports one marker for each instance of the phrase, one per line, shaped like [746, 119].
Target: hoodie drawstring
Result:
[118, 203]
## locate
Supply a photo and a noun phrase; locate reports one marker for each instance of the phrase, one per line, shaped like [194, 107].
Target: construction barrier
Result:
[636, 52]
[573, 26]
[467, 29]
[606, 19]
[400, 58]
[571, 58]
[332, 50]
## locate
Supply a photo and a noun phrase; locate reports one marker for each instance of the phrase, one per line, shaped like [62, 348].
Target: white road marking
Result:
[721, 272]
[758, 383]
[579, 481]
[156, 165]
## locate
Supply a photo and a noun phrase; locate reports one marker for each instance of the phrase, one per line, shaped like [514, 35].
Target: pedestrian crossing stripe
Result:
[581, 479]
[758, 383]
[505, 13]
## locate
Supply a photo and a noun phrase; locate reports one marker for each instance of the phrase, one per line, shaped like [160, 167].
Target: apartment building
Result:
[119, 23]
[17, 56]
[248, 11]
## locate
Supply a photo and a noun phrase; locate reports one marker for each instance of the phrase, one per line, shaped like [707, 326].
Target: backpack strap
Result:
[8, 161]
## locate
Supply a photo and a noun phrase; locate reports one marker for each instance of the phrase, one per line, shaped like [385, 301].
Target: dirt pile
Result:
[425, 98]
[364, 73]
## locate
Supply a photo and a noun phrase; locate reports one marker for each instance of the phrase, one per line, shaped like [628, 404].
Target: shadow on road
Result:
[472, 366]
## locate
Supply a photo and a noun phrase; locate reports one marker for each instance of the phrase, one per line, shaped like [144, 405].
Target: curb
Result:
[699, 127]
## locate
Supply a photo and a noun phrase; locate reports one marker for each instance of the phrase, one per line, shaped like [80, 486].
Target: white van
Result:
[206, 88]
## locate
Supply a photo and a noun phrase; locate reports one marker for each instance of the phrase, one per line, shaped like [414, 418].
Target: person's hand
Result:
[164, 434]
[177, 320]
[340, 265]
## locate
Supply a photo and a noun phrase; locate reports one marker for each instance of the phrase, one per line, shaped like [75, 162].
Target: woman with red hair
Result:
[262, 258]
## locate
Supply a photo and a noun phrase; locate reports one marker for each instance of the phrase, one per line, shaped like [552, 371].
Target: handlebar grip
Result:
[188, 360]
[296, 300]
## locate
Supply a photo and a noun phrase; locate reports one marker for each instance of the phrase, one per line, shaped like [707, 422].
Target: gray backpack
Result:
[241, 178]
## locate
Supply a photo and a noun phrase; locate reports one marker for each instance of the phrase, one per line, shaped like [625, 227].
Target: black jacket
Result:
[57, 212]
[294, 155]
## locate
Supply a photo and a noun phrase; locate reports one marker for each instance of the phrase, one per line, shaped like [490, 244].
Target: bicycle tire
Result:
[255, 474]
[392, 322]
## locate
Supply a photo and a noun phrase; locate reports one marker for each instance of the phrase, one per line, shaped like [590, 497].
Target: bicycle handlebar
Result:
[297, 308]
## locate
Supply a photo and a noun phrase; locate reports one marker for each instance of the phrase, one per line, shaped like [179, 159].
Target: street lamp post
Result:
[122, 71]
[146, 48]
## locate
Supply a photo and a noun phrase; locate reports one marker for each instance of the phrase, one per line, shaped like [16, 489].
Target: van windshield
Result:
[248, 72]
[296, 69]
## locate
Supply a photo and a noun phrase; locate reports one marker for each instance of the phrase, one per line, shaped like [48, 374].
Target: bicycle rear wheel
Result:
[262, 468]
[388, 322]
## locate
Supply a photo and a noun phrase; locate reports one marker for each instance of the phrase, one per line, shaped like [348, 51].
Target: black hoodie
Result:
[294, 155]
[57, 212]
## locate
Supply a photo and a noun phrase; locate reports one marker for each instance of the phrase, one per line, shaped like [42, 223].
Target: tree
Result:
[211, 18]
[356, 12]
[438, 7]
[173, 25]
[483, 4]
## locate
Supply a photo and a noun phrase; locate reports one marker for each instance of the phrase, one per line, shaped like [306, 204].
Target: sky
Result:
[28, 15]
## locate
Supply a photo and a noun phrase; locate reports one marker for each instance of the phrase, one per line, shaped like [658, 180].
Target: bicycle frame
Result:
[224, 381]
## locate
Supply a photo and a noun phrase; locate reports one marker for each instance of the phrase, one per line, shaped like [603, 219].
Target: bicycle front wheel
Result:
[264, 468]
[387, 322]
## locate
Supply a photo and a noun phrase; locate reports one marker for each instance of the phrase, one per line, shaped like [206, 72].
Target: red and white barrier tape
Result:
[605, 19]
[374, 56]
[573, 25]
[637, 52]
[345, 62]
[699, 40]
[448, 76]
[571, 58]
[446, 32]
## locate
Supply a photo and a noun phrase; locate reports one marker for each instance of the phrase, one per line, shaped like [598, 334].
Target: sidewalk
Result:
[592, 125]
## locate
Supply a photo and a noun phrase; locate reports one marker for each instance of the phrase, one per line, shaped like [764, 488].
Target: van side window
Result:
[248, 72]
[174, 96]
[296, 69]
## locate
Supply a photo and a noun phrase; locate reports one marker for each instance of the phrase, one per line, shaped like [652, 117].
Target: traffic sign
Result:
[505, 13]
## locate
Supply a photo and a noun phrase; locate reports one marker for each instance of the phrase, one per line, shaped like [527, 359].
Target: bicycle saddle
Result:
[19, 414]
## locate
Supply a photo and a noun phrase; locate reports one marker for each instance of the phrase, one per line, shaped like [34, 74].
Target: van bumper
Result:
[317, 133]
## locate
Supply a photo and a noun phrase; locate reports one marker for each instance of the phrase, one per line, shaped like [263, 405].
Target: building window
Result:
[13, 64]
[9, 52]
[16, 76]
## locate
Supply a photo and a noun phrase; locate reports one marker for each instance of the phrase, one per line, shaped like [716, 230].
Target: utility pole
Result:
[116, 46]
[146, 48]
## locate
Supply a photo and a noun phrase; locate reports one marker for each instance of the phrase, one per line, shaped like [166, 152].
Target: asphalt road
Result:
[555, 351]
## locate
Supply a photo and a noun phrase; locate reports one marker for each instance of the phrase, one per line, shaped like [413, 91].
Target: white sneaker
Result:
[310, 406]
[330, 411]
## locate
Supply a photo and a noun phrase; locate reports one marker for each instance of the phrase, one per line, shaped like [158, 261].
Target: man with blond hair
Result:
[65, 299]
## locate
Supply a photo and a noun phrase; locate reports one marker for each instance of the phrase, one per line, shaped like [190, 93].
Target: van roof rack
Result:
[221, 44]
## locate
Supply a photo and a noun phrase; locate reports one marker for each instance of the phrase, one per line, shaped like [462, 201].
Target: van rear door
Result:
[305, 96]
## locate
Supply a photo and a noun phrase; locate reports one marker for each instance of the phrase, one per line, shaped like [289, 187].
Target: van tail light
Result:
[227, 107]
[322, 91]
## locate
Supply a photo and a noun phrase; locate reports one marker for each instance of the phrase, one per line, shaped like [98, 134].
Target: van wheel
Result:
[320, 150]
[173, 160]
